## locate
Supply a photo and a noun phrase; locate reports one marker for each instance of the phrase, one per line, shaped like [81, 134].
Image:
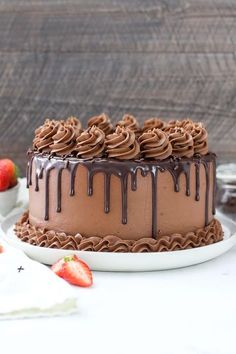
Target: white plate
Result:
[106, 261]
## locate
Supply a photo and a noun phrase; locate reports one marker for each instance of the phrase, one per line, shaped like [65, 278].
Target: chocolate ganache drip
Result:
[109, 167]
[155, 144]
[103, 122]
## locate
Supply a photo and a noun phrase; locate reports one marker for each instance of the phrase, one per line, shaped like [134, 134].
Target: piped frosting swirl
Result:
[122, 144]
[64, 140]
[90, 143]
[103, 122]
[200, 138]
[153, 123]
[75, 123]
[155, 144]
[44, 135]
[129, 122]
[182, 142]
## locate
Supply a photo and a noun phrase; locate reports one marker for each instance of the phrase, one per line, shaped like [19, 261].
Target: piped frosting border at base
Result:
[51, 239]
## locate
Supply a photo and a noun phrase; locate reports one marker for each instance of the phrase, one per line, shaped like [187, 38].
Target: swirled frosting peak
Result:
[155, 144]
[182, 142]
[103, 122]
[122, 144]
[75, 123]
[64, 140]
[130, 122]
[200, 138]
[153, 123]
[44, 135]
[177, 124]
[90, 143]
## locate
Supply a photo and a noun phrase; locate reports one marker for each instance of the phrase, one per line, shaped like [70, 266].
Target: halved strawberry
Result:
[57, 267]
[73, 270]
[77, 272]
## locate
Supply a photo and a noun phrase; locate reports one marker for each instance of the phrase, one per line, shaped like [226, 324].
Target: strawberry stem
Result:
[68, 258]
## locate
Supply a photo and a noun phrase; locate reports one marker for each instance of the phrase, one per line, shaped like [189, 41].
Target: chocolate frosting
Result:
[177, 124]
[153, 123]
[155, 144]
[90, 143]
[200, 138]
[130, 122]
[44, 135]
[182, 142]
[75, 123]
[64, 140]
[122, 144]
[103, 122]
[48, 238]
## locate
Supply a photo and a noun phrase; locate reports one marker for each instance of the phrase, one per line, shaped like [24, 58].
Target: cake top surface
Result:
[126, 140]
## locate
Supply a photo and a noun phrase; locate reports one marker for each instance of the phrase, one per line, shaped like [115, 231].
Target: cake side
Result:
[128, 199]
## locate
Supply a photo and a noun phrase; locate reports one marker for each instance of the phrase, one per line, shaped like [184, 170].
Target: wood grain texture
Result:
[172, 58]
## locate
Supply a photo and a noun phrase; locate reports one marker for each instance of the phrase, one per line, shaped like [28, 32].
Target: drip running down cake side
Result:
[122, 188]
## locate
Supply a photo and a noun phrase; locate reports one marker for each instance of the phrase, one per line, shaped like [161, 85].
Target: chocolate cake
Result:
[122, 188]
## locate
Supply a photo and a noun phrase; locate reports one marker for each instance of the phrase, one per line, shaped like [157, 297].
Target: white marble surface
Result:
[189, 310]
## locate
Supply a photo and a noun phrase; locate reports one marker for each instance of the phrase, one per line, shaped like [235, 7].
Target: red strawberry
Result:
[57, 267]
[74, 270]
[9, 166]
[11, 169]
[4, 180]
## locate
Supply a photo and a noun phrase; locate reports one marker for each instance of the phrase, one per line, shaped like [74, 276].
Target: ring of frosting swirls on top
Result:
[59, 138]
[155, 144]
[182, 142]
[122, 144]
[103, 122]
[90, 143]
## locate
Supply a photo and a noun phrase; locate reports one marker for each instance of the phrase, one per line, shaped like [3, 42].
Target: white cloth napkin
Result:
[30, 289]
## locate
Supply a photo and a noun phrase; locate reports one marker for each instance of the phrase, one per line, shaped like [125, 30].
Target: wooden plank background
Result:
[172, 58]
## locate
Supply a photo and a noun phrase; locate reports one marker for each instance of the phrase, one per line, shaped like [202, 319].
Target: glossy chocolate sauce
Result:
[44, 163]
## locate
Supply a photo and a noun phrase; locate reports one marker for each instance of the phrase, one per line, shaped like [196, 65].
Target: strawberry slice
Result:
[57, 267]
[73, 270]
